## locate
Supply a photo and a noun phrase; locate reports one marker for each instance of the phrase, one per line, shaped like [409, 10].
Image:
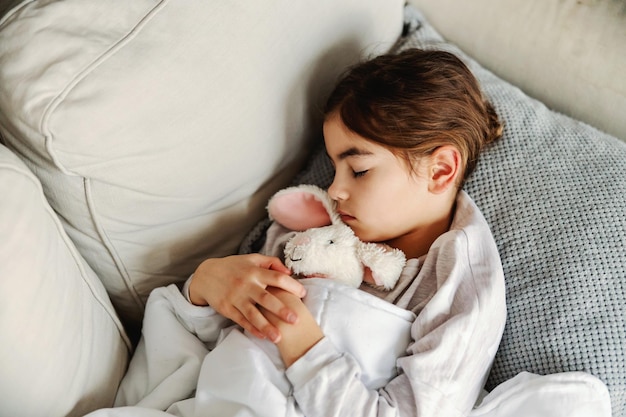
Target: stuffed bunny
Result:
[326, 247]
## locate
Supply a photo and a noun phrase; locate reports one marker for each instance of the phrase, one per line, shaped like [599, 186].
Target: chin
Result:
[367, 237]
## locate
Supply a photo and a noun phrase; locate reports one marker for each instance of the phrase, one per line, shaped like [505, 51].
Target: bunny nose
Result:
[301, 240]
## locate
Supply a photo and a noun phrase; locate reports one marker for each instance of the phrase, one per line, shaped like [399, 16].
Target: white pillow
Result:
[159, 129]
[63, 350]
[569, 54]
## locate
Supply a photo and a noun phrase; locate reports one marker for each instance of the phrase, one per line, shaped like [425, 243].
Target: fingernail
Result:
[273, 336]
[291, 318]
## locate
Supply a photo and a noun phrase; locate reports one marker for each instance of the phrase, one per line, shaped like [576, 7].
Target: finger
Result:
[275, 306]
[287, 283]
[264, 330]
[259, 322]
[280, 276]
[279, 267]
[275, 264]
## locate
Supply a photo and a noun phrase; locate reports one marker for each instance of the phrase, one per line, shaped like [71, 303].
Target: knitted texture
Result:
[554, 193]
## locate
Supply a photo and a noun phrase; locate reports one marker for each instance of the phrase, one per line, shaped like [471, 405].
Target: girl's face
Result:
[377, 194]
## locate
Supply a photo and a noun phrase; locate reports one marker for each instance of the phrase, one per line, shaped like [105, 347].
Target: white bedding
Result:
[193, 362]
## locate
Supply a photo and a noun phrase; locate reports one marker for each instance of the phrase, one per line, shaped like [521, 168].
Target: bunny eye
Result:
[330, 242]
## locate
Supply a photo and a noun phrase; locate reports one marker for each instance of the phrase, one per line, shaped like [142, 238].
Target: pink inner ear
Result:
[298, 211]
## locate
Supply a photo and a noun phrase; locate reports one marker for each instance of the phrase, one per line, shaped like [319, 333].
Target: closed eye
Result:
[358, 174]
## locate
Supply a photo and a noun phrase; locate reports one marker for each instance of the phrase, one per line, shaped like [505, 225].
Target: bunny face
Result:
[325, 246]
[329, 252]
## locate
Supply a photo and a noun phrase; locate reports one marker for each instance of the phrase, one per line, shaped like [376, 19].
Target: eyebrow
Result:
[353, 151]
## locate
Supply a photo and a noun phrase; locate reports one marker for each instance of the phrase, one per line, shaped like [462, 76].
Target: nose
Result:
[336, 191]
[301, 240]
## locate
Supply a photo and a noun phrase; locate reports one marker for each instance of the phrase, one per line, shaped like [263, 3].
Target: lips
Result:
[345, 217]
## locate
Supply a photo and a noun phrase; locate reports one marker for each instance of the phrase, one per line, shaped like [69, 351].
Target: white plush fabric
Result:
[570, 54]
[159, 129]
[63, 350]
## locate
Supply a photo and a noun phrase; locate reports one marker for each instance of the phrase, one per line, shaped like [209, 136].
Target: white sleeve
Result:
[185, 289]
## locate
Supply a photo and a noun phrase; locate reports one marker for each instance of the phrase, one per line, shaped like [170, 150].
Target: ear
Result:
[444, 168]
[302, 207]
[386, 263]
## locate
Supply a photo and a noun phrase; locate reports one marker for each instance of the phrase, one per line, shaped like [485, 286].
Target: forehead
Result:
[342, 143]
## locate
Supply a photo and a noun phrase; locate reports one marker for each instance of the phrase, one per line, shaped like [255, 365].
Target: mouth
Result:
[314, 276]
[345, 217]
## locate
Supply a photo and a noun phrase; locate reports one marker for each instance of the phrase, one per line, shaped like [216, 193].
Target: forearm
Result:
[440, 376]
[292, 350]
[328, 383]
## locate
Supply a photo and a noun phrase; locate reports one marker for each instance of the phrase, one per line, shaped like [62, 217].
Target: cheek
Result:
[394, 209]
[376, 220]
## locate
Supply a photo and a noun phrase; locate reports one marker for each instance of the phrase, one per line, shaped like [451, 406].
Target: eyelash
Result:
[359, 173]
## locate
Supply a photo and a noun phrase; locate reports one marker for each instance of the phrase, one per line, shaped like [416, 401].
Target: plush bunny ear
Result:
[386, 263]
[302, 207]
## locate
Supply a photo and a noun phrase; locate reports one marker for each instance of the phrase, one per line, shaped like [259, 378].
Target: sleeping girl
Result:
[403, 133]
[245, 338]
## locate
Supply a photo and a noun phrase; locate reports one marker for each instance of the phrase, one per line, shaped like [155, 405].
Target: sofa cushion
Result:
[569, 54]
[553, 190]
[159, 129]
[63, 350]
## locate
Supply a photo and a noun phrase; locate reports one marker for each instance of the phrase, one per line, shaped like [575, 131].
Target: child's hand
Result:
[297, 338]
[236, 286]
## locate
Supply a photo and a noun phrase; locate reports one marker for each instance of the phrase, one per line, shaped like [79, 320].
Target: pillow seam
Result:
[83, 73]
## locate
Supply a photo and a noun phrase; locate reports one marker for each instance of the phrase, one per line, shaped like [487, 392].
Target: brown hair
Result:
[414, 102]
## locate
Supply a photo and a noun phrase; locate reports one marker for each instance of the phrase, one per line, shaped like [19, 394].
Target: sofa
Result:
[139, 138]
